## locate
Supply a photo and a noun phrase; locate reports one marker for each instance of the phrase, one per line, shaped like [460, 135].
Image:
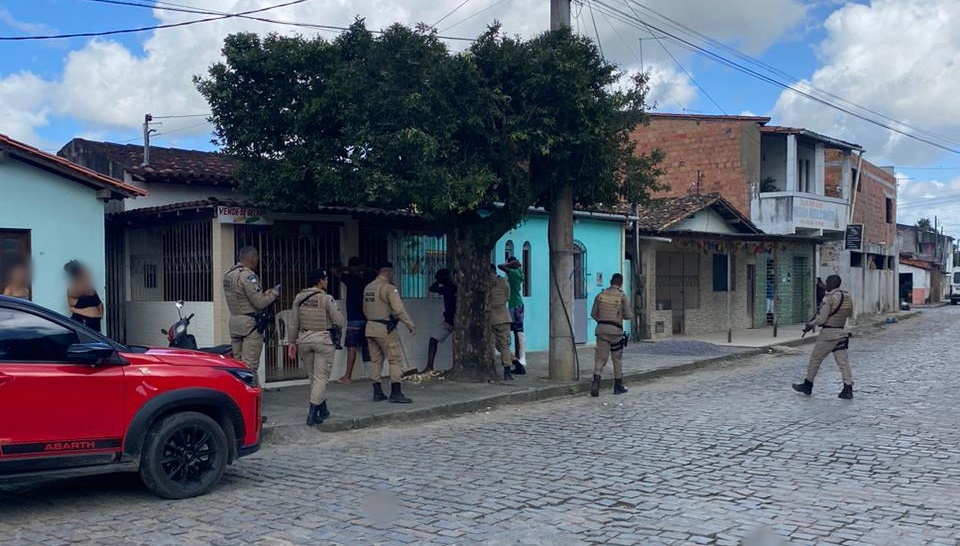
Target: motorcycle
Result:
[179, 337]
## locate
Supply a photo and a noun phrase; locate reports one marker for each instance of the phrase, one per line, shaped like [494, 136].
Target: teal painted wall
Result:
[66, 222]
[604, 254]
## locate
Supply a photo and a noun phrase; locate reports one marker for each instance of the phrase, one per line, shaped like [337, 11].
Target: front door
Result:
[49, 406]
[579, 293]
[751, 291]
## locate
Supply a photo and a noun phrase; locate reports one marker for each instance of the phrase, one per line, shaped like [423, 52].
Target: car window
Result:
[25, 337]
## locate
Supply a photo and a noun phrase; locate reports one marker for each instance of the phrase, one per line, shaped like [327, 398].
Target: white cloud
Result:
[24, 100]
[930, 199]
[898, 57]
[7, 19]
[105, 84]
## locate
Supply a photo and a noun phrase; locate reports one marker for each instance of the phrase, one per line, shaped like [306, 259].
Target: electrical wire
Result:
[143, 29]
[168, 6]
[595, 31]
[183, 116]
[465, 19]
[451, 12]
[640, 24]
[180, 130]
[759, 63]
[686, 72]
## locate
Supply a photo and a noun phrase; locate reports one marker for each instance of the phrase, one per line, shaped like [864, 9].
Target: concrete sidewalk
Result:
[351, 406]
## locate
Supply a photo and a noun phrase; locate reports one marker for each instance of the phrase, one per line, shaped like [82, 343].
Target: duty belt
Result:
[833, 327]
[611, 323]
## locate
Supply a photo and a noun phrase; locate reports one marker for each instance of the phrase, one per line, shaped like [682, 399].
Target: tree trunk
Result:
[560, 236]
[473, 358]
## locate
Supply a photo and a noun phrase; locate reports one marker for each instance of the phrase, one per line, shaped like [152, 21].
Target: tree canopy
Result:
[470, 140]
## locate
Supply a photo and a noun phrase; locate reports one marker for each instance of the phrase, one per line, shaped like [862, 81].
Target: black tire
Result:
[184, 455]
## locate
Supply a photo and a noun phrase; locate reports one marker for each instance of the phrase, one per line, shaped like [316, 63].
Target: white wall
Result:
[921, 277]
[166, 194]
[146, 318]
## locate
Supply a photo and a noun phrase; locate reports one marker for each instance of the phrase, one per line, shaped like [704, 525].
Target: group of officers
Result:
[313, 334]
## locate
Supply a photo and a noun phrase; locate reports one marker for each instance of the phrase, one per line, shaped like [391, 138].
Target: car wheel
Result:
[184, 455]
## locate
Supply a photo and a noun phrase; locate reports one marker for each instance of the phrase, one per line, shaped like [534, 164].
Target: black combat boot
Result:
[378, 395]
[518, 368]
[618, 387]
[322, 412]
[312, 415]
[806, 387]
[507, 374]
[595, 386]
[396, 396]
[847, 392]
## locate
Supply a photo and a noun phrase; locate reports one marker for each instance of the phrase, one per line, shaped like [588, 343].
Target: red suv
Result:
[74, 403]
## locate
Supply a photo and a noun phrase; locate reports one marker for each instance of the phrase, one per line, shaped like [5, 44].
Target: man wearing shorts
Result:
[445, 287]
[355, 277]
[515, 278]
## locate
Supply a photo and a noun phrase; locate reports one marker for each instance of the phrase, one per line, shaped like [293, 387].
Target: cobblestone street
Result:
[729, 455]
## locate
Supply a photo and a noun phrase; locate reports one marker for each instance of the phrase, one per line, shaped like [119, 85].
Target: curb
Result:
[549, 392]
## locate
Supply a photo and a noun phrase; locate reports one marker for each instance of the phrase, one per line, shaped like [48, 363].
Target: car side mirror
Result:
[90, 353]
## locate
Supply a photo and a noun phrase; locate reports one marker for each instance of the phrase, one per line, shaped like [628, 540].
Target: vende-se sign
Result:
[242, 215]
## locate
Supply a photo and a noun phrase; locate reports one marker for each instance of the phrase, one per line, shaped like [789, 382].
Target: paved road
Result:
[715, 457]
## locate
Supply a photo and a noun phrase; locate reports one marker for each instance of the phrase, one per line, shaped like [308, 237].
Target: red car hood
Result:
[183, 357]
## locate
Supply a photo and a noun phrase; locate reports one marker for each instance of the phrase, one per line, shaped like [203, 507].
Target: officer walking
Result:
[246, 299]
[314, 332]
[500, 321]
[832, 318]
[610, 309]
[384, 310]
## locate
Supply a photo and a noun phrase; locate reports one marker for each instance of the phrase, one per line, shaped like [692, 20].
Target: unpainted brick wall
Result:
[726, 153]
[870, 209]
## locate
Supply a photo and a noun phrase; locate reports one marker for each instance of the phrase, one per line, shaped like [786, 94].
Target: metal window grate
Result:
[186, 259]
[416, 256]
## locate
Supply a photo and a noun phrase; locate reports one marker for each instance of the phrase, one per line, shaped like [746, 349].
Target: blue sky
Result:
[52, 91]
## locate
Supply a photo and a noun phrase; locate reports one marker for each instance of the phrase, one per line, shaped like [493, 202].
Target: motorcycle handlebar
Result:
[190, 317]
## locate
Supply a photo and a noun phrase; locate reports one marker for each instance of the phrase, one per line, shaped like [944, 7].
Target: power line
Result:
[595, 31]
[451, 12]
[684, 70]
[638, 23]
[465, 19]
[143, 29]
[183, 116]
[180, 130]
[759, 63]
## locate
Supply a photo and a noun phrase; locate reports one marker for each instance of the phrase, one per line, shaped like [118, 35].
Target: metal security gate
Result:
[802, 290]
[288, 252]
[116, 283]
[579, 292]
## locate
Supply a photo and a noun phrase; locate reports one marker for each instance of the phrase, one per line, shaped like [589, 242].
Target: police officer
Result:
[316, 318]
[500, 321]
[384, 310]
[610, 309]
[832, 317]
[245, 298]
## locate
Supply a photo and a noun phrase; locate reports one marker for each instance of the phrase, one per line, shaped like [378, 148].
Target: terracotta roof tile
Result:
[659, 215]
[166, 164]
[70, 169]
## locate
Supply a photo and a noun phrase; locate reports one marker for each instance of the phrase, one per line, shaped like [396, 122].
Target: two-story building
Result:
[926, 264]
[790, 183]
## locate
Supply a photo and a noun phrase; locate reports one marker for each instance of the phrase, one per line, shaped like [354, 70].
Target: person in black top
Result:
[821, 291]
[82, 299]
[445, 287]
[355, 277]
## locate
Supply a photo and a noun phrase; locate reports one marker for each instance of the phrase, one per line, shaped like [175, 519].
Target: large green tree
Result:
[468, 140]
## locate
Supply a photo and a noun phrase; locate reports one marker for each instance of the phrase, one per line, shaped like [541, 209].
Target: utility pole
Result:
[147, 118]
[560, 236]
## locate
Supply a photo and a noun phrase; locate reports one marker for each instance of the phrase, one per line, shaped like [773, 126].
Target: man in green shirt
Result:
[515, 278]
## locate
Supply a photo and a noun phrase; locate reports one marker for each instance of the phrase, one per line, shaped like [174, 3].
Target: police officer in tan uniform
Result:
[610, 309]
[245, 297]
[315, 314]
[384, 310]
[832, 317]
[500, 321]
